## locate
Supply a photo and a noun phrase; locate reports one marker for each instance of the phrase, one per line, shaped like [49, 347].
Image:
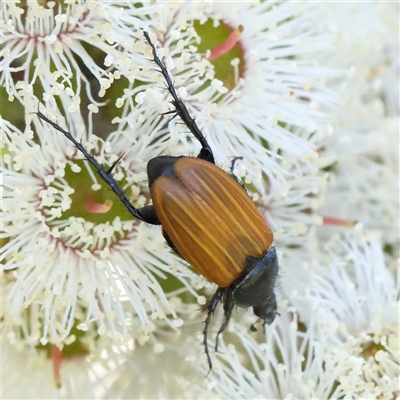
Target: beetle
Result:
[208, 218]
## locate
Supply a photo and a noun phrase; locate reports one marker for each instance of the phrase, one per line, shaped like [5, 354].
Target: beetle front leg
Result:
[210, 308]
[229, 303]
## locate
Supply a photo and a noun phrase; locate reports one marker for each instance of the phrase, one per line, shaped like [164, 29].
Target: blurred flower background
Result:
[94, 303]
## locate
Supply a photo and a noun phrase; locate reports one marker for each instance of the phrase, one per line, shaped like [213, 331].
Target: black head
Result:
[267, 310]
[255, 288]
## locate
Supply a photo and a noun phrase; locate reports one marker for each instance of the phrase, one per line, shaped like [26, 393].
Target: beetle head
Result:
[255, 288]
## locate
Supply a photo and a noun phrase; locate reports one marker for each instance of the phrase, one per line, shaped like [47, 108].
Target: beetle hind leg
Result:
[180, 108]
[233, 162]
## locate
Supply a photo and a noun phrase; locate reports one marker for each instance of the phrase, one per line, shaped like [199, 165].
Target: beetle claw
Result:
[253, 326]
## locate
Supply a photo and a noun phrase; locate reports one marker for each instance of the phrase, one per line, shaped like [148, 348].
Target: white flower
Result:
[69, 239]
[168, 370]
[29, 376]
[362, 184]
[161, 368]
[357, 300]
[363, 152]
[371, 61]
[293, 362]
[47, 45]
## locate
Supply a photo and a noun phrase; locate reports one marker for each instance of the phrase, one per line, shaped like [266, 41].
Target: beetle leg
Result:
[205, 152]
[253, 326]
[210, 308]
[233, 175]
[146, 214]
[114, 164]
[229, 303]
[234, 159]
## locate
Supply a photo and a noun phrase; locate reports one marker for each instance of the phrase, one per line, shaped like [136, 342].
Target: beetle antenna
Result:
[205, 152]
[105, 175]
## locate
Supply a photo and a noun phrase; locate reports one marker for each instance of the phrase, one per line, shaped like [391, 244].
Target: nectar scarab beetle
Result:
[208, 218]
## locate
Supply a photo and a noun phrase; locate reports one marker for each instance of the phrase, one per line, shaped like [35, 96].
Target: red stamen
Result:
[224, 47]
[98, 208]
[56, 360]
[337, 221]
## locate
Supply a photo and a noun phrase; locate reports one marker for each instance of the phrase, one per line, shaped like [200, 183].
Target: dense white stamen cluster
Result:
[364, 182]
[290, 364]
[69, 259]
[55, 36]
[79, 271]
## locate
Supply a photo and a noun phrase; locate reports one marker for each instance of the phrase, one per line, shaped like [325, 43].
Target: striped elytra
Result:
[210, 219]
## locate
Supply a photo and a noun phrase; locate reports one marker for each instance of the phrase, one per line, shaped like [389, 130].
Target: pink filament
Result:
[224, 47]
[98, 208]
[56, 360]
[337, 221]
